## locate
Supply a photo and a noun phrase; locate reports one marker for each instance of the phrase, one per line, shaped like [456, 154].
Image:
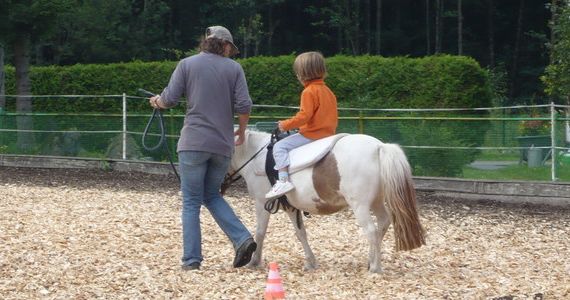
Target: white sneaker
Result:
[279, 189]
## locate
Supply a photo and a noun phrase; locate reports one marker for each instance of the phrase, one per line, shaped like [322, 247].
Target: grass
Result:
[495, 155]
[518, 172]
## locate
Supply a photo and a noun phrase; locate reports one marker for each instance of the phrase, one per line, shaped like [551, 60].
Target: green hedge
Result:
[363, 81]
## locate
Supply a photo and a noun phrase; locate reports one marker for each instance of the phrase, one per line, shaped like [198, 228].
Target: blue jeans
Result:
[282, 148]
[201, 175]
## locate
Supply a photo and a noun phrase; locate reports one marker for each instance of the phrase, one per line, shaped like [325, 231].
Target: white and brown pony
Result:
[360, 172]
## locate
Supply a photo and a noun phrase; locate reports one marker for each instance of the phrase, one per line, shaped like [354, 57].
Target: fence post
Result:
[2, 124]
[360, 123]
[553, 140]
[124, 126]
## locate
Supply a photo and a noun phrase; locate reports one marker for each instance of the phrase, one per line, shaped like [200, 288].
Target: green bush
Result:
[363, 81]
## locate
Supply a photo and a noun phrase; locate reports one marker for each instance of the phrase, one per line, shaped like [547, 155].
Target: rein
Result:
[229, 179]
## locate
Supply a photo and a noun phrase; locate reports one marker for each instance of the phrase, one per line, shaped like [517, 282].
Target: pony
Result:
[359, 172]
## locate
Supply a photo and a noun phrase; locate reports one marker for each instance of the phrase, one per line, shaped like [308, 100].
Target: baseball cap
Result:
[222, 33]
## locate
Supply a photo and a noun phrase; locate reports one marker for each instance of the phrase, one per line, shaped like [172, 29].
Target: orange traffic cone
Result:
[274, 288]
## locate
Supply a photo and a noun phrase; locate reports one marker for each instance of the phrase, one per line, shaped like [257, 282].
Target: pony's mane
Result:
[256, 135]
[256, 132]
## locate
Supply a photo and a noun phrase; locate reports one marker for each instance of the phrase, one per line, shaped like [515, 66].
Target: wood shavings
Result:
[83, 234]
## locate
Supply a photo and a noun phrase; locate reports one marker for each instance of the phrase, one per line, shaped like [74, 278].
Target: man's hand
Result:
[241, 136]
[155, 101]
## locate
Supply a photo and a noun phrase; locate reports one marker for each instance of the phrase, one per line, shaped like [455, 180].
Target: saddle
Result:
[300, 158]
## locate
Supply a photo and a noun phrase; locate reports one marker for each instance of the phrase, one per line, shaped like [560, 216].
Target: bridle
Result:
[229, 179]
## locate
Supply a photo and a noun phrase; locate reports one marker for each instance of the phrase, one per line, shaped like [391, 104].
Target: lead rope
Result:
[229, 179]
[157, 113]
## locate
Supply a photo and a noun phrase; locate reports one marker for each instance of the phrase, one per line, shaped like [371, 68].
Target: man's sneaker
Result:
[279, 189]
[192, 266]
[244, 252]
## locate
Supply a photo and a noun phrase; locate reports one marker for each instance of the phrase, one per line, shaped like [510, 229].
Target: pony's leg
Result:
[382, 222]
[262, 219]
[364, 219]
[310, 261]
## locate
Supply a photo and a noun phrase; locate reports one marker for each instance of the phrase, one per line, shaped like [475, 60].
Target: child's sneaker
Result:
[279, 189]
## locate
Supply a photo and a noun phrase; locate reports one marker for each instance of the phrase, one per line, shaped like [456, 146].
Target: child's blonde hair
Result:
[309, 66]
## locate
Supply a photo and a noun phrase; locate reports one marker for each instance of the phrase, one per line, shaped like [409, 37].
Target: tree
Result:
[557, 76]
[378, 26]
[105, 31]
[272, 23]
[250, 33]
[516, 51]
[428, 28]
[439, 15]
[343, 15]
[459, 27]
[554, 6]
[25, 21]
[491, 32]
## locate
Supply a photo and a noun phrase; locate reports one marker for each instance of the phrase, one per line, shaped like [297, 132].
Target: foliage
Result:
[112, 31]
[534, 127]
[365, 81]
[94, 80]
[557, 77]
[33, 17]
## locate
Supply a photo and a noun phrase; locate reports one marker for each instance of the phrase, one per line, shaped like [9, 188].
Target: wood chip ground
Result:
[78, 234]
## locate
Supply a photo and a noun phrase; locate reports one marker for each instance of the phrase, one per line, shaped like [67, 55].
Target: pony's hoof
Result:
[254, 266]
[375, 269]
[310, 267]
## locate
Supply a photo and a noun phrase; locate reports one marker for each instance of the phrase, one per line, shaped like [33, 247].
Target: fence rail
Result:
[440, 142]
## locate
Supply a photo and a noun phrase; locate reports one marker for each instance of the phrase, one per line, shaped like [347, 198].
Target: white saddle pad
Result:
[303, 156]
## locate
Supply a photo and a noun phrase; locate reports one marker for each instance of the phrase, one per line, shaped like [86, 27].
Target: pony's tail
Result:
[397, 188]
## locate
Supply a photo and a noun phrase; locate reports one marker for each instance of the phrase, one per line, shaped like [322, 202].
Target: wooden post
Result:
[124, 126]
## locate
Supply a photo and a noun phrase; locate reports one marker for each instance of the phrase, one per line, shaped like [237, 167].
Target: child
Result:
[317, 117]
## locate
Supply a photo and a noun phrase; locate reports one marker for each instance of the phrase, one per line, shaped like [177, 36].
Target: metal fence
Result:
[516, 142]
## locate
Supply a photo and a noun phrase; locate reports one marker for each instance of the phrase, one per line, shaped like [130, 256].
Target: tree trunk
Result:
[270, 28]
[356, 20]
[25, 139]
[339, 39]
[554, 20]
[491, 31]
[459, 28]
[367, 25]
[349, 28]
[438, 21]
[397, 24]
[428, 29]
[518, 36]
[378, 26]
[245, 42]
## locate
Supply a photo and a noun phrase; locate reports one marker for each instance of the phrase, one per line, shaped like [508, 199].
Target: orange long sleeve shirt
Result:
[318, 115]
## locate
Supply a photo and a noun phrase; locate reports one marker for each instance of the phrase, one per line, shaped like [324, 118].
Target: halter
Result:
[229, 179]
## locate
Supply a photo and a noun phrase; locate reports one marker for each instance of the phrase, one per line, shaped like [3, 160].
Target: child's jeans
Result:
[281, 149]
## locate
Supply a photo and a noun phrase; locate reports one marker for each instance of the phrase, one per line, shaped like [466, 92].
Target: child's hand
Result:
[280, 125]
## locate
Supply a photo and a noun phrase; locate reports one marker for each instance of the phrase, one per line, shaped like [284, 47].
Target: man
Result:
[215, 88]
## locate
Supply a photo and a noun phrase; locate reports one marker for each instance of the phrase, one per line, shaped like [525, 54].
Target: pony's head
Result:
[254, 141]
